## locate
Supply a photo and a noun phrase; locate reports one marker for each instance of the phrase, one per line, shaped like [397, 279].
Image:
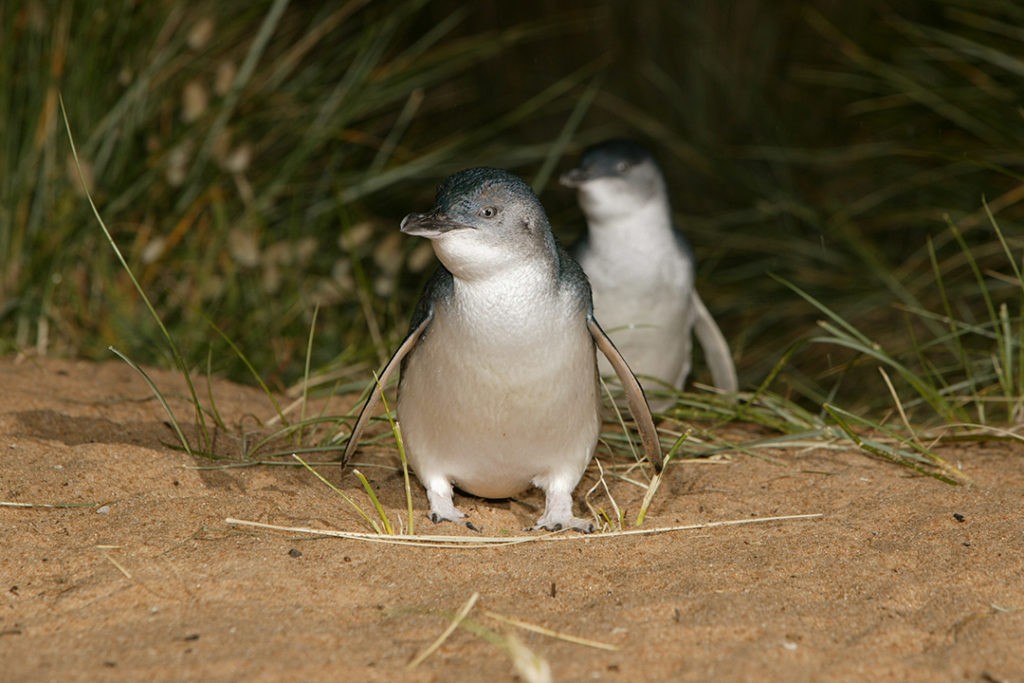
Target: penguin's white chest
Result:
[501, 393]
[642, 299]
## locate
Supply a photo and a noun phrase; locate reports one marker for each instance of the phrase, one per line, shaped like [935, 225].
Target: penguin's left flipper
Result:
[374, 398]
[634, 393]
[716, 349]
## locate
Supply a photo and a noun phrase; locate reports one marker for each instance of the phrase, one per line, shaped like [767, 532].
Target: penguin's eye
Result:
[488, 212]
[622, 166]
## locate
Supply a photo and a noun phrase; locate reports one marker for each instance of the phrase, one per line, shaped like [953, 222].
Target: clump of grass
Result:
[200, 412]
[896, 454]
[179, 361]
[826, 146]
[793, 427]
[955, 74]
[183, 106]
[971, 372]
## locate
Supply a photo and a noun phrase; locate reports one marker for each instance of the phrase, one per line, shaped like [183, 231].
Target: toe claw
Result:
[576, 524]
[437, 518]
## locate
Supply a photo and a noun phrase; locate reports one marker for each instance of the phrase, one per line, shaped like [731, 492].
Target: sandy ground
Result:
[902, 578]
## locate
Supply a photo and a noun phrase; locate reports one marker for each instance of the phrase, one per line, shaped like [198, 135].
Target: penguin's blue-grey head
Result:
[615, 176]
[483, 220]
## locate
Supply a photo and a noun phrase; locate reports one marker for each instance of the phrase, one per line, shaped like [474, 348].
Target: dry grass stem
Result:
[468, 542]
[899, 405]
[446, 633]
[528, 664]
[527, 626]
[12, 504]
[114, 562]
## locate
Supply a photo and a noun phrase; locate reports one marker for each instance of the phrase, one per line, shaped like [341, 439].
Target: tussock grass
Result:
[242, 157]
[849, 176]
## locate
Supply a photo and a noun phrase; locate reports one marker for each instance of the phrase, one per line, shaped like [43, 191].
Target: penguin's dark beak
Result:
[430, 225]
[573, 178]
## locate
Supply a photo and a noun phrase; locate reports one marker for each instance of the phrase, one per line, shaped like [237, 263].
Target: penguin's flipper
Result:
[716, 349]
[374, 398]
[634, 393]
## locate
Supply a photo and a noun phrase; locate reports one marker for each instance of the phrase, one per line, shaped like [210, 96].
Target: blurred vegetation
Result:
[253, 161]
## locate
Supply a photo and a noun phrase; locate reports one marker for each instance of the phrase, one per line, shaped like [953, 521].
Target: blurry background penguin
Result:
[641, 271]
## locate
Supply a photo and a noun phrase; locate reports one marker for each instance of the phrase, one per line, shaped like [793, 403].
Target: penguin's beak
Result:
[430, 225]
[573, 178]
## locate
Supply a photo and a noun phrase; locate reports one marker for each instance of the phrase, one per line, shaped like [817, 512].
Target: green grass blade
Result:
[344, 496]
[178, 358]
[396, 430]
[381, 513]
[160, 398]
[252, 371]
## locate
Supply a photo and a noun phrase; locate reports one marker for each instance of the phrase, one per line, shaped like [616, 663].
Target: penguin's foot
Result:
[546, 522]
[442, 507]
[558, 511]
[437, 519]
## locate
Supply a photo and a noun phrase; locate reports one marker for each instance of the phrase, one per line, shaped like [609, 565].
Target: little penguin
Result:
[641, 269]
[498, 387]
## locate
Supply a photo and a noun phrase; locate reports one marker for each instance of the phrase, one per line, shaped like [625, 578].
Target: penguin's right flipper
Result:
[374, 398]
[634, 394]
[716, 349]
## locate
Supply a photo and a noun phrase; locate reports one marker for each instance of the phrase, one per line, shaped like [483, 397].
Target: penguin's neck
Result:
[641, 235]
[513, 295]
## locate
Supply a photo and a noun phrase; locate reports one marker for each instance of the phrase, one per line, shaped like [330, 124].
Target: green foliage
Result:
[252, 161]
[243, 155]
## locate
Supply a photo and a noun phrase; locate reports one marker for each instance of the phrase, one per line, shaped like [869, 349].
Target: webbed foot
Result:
[582, 525]
[460, 519]
[442, 507]
[558, 506]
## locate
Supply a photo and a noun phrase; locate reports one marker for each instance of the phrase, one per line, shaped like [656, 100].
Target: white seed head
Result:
[224, 77]
[244, 247]
[194, 100]
[200, 33]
